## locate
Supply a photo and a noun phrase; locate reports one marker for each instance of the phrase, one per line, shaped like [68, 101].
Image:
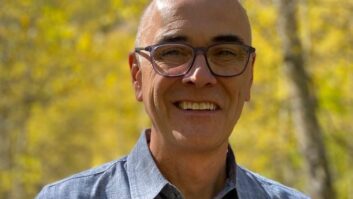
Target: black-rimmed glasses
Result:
[176, 59]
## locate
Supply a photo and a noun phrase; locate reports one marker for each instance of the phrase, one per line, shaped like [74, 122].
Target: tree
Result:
[304, 103]
[64, 87]
[66, 101]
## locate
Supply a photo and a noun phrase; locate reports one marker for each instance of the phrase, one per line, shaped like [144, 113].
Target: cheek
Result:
[148, 83]
[154, 90]
[237, 96]
[242, 89]
[236, 101]
[147, 89]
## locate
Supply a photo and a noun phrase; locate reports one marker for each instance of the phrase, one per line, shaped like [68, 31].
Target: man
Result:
[192, 69]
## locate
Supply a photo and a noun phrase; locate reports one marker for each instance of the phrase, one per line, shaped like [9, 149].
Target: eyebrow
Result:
[217, 39]
[172, 39]
[228, 38]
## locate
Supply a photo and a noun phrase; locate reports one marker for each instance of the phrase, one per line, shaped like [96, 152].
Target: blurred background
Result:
[66, 100]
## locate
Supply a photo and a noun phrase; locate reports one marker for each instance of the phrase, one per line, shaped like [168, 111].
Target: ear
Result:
[136, 78]
[251, 74]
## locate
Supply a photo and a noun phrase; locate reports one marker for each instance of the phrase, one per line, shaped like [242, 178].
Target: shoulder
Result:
[272, 188]
[99, 182]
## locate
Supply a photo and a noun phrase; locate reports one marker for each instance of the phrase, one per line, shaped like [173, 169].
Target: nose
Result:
[200, 74]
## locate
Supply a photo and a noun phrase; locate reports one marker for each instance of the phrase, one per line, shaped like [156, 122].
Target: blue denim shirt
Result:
[136, 176]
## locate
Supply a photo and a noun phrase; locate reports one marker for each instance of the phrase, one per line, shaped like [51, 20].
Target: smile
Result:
[197, 106]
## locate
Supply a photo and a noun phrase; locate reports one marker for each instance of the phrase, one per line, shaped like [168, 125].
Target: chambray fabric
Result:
[136, 176]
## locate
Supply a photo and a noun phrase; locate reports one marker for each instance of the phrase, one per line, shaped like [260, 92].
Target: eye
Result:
[227, 53]
[171, 52]
[224, 53]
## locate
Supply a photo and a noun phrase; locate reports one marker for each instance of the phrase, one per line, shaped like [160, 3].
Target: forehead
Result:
[197, 21]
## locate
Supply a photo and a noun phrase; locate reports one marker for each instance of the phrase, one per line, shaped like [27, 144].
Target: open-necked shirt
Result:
[136, 176]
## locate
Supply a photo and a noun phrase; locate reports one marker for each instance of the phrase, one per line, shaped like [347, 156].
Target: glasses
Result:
[175, 59]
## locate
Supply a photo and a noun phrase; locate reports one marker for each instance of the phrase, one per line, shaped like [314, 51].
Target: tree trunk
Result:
[5, 155]
[303, 103]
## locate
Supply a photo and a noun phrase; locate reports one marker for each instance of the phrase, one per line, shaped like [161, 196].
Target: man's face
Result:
[174, 103]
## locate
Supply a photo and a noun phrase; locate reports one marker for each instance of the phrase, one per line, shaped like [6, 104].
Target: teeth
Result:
[197, 106]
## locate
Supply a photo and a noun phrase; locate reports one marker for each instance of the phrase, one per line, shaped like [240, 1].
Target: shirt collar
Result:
[145, 179]
[247, 186]
[231, 174]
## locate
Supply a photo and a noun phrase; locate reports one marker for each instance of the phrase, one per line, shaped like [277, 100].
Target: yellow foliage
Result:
[65, 87]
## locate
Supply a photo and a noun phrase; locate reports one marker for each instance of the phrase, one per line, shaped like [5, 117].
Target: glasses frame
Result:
[196, 51]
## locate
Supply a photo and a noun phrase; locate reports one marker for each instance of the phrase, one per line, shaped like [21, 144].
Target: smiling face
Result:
[196, 111]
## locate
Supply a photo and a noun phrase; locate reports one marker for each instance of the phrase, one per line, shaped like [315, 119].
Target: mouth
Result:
[197, 106]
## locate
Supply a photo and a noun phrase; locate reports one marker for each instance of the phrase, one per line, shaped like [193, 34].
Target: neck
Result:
[195, 174]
